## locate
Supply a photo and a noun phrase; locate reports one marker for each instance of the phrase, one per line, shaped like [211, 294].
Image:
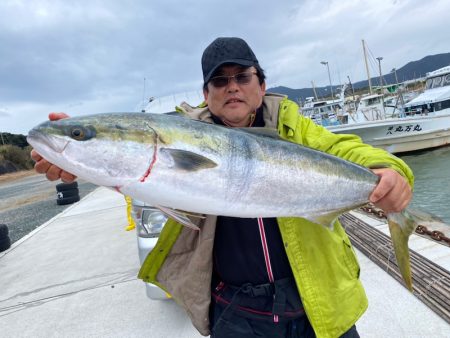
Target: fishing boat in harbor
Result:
[325, 113]
[399, 123]
[422, 123]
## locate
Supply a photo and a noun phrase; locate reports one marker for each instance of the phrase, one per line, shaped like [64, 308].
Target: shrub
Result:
[19, 156]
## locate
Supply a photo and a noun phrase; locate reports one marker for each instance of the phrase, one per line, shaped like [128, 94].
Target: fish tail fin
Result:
[401, 226]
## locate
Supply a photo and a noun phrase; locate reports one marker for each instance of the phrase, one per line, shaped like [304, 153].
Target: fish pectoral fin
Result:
[187, 160]
[180, 216]
[327, 220]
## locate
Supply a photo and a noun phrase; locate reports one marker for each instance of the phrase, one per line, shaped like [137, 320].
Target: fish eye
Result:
[77, 133]
[81, 133]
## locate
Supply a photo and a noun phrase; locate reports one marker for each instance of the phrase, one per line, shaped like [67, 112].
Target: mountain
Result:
[410, 71]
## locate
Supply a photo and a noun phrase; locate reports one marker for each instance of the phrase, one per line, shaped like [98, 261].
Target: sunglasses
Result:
[240, 78]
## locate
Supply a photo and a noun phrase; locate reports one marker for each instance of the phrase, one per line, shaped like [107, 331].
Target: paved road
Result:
[29, 202]
[75, 276]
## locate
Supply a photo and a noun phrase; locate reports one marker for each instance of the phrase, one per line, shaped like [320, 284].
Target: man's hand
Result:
[42, 166]
[393, 193]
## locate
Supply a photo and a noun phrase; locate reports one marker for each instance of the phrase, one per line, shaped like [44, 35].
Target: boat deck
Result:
[75, 276]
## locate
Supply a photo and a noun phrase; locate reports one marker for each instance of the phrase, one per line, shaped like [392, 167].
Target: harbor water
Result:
[432, 181]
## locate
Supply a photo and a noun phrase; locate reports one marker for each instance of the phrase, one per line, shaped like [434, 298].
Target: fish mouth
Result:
[43, 142]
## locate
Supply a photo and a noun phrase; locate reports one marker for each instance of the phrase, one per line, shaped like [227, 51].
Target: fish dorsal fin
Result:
[187, 160]
[262, 131]
[176, 113]
[180, 216]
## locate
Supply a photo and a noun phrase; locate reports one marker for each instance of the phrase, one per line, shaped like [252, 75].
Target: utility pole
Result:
[3, 141]
[329, 78]
[379, 67]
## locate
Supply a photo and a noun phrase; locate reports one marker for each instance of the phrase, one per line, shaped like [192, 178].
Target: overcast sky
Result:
[84, 57]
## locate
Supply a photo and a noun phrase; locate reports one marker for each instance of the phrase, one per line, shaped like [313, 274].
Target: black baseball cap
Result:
[226, 50]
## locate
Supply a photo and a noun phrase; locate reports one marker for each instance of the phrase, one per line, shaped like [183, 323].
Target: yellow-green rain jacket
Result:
[323, 262]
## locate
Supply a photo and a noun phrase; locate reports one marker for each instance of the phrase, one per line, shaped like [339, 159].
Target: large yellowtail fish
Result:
[176, 163]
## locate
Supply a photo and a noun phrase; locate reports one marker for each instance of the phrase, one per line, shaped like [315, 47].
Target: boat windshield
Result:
[438, 81]
[372, 101]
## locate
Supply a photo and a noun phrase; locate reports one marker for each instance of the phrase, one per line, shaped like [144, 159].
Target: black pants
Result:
[237, 326]
[234, 325]
[227, 320]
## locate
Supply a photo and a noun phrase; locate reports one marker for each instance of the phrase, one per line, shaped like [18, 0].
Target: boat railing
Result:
[372, 114]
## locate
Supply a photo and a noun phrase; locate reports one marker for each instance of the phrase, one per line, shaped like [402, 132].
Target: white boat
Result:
[326, 113]
[423, 123]
[374, 107]
[399, 135]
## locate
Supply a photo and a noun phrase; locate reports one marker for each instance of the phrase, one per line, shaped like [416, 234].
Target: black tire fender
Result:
[5, 243]
[68, 200]
[66, 186]
[4, 231]
[67, 193]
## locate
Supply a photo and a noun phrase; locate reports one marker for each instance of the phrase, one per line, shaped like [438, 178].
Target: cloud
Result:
[4, 113]
[93, 56]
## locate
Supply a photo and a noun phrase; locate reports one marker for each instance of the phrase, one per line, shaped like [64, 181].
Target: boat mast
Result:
[367, 66]
[314, 90]
[381, 84]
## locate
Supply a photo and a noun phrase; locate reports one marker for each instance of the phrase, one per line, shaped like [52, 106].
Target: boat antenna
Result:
[143, 99]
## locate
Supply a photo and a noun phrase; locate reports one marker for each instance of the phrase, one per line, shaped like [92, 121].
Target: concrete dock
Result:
[75, 276]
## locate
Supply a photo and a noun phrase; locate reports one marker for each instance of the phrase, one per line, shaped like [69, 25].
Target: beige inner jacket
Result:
[186, 272]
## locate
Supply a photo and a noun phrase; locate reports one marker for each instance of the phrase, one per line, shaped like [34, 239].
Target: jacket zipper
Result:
[265, 247]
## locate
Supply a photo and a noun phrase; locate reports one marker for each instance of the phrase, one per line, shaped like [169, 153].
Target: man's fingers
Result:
[53, 173]
[386, 184]
[42, 166]
[57, 116]
[67, 177]
[392, 193]
[35, 156]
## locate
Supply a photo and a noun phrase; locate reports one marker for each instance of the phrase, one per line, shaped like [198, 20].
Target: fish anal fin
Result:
[180, 216]
[327, 220]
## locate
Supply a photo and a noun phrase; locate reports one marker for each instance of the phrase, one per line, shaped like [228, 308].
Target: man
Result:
[267, 277]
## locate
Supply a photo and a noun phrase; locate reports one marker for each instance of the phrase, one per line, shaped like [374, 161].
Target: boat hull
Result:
[401, 135]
